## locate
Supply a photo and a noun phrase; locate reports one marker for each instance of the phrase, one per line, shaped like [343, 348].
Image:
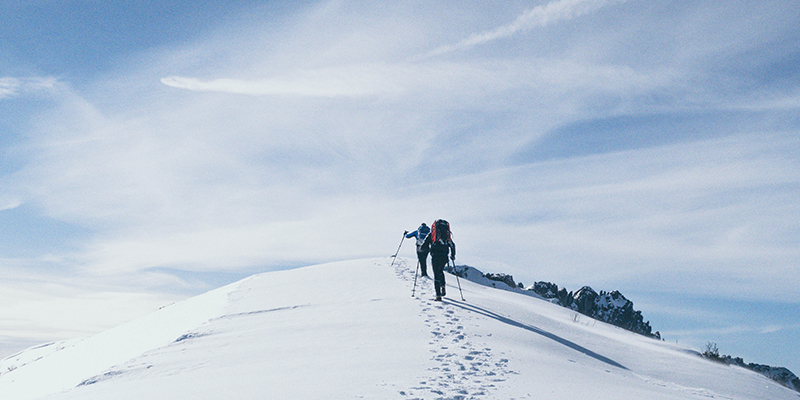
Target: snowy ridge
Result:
[610, 307]
[68, 364]
[778, 374]
[352, 330]
[33, 354]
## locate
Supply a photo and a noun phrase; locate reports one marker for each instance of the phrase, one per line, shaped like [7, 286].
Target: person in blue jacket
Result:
[423, 247]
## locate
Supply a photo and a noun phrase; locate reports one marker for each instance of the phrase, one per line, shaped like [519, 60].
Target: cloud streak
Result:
[11, 87]
[364, 80]
[8, 87]
[9, 205]
[539, 16]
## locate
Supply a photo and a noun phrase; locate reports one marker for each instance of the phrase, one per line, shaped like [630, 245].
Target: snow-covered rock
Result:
[505, 278]
[779, 374]
[611, 307]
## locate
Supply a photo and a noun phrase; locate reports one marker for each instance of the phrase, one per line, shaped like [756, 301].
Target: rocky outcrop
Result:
[497, 281]
[612, 307]
[507, 279]
[779, 374]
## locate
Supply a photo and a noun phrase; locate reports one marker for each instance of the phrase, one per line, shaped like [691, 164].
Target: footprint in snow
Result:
[467, 370]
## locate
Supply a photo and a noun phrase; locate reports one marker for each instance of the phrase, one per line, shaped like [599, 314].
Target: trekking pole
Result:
[415, 280]
[457, 281]
[394, 257]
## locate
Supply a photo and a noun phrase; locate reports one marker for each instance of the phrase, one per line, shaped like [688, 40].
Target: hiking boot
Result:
[438, 298]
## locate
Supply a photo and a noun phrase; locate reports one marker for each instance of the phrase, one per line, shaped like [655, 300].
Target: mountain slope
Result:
[352, 330]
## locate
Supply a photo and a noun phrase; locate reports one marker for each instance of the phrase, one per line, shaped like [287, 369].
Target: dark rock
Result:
[612, 307]
[507, 279]
[584, 301]
[545, 289]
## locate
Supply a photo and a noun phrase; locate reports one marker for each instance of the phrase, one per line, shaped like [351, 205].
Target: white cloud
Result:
[219, 182]
[12, 87]
[771, 329]
[658, 217]
[8, 87]
[9, 205]
[351, 81]
[539, 16]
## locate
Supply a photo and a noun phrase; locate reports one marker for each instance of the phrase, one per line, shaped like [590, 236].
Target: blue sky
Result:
[154, 150]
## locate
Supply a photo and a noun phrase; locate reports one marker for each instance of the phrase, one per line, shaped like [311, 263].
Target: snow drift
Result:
[352, 330]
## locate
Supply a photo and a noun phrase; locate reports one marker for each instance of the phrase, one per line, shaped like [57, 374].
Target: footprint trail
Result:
[462, 366]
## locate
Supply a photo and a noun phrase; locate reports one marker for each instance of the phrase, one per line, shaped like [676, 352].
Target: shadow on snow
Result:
[565, 342]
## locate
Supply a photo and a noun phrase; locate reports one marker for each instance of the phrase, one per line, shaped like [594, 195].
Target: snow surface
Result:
[352, 330]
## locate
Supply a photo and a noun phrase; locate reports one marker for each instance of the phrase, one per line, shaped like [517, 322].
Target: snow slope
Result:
[352, 330]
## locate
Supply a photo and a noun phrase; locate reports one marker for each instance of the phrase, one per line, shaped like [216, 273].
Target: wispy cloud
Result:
[771, 329]
[214, 182]
[539, 16]
[442, 81]
[12, 87]
[351, 81]
[9, 204]
[8, 87]
[723, 328]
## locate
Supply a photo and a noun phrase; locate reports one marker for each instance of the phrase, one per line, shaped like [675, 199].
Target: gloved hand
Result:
[405, 233]
[453, 258]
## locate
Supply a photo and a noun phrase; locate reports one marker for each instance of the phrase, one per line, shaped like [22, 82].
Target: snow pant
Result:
[422, 256]
[438, 264]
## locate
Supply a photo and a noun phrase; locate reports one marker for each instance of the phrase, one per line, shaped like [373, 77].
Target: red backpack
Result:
[440, 232]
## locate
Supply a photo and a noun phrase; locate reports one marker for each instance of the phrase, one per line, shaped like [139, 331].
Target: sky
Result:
[151, 151]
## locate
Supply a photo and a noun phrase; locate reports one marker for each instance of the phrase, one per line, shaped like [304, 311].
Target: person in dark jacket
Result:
[422, 248]
[441, 245]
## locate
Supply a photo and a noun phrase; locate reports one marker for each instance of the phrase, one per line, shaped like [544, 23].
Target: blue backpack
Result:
[422, 234]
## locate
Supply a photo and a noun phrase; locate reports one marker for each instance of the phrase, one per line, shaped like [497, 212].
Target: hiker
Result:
[422, 248]
[441, 244]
